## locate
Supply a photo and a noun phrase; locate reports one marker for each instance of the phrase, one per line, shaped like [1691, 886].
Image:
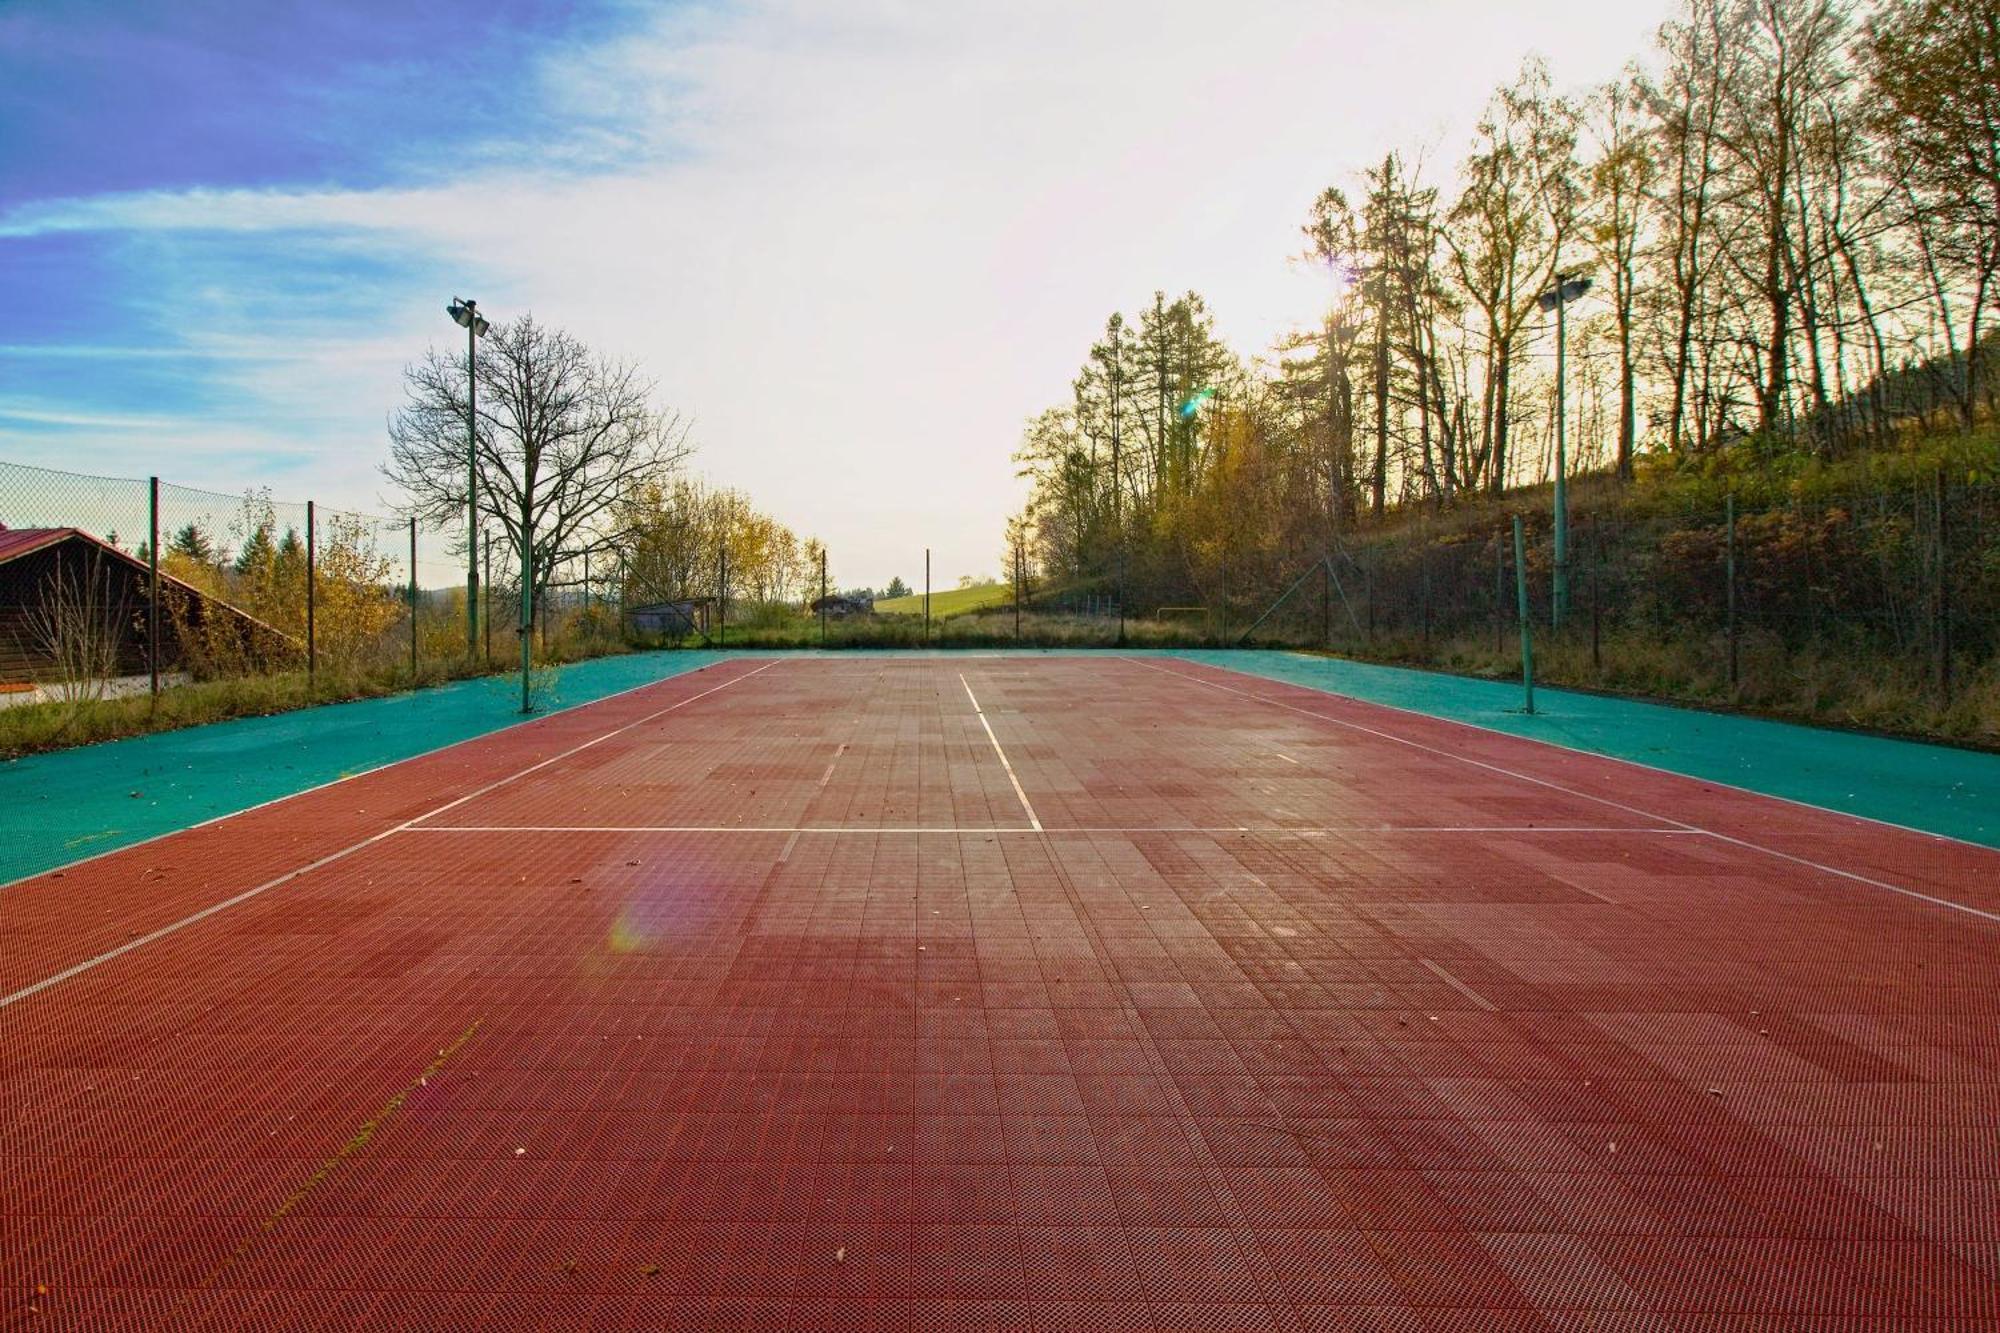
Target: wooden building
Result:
[63, 581]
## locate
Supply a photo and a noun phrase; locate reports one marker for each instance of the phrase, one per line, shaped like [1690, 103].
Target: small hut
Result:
[75, 608]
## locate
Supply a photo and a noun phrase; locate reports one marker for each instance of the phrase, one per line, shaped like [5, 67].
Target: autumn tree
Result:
[1934, 70]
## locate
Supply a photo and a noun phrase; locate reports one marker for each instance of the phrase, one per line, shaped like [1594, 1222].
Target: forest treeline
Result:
[1789, 212]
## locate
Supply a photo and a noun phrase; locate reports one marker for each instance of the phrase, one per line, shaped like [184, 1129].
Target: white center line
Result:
[407, 826]
[1037, 823]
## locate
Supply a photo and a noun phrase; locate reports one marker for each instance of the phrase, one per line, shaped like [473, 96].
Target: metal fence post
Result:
[1941, 590]
[722, 600]
[1223, 607]
[927, 597]
[413, 599]
[1424, 576]
[1368, 591]
[1596, 599]
[1729, 573]
[1499, 591]
[312, 601]
[486, 588]
[153, 586]
[1017, 592]
[1325, 601]
[527, 607]
[822, 597]
[1527, 631]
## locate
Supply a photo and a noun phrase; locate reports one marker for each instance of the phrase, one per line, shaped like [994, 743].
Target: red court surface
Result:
[1007, 992]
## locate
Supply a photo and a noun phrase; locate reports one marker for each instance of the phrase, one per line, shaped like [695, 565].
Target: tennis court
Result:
[1007, 992]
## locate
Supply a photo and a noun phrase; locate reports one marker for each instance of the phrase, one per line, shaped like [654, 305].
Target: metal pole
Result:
[413, 600]
[722, 600]
[1596, 599]
[1368, 590]
[1017, 592]
[472, 495]
[1559, 604]
[312, 602]
[822, 597]
[1941, 592]
[153, 587]
[586, 580]
[1325, 602]
[1223, 602]
[527, 607]
[1499, 592]
[1729, 573]
[1527, 632]
[927, 597]
[489, 599]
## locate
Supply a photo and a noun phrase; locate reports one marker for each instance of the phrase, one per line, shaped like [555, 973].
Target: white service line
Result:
[1300, 830]
[408, 825]
[1037, 823]
[1679, 824]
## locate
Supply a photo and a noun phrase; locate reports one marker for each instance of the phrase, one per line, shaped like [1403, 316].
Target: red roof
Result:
[19, 541]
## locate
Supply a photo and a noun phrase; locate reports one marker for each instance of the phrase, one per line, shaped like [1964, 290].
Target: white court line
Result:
[1002, 753]
[1570, 791]
[1444, 974]
[407, 825]
[959, 830]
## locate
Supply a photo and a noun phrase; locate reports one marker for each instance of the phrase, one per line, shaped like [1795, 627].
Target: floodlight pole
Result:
[1568, 287]
[1559, 603]
[466, 314]
[471, 491]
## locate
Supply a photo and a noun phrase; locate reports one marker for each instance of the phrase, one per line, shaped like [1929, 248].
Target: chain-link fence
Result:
[110, 585]
[1868, 602]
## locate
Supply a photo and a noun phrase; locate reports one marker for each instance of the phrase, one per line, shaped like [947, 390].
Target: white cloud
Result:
[862, 243]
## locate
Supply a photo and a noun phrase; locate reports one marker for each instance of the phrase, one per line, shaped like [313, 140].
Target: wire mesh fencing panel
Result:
[213, 585]
[1875, 595]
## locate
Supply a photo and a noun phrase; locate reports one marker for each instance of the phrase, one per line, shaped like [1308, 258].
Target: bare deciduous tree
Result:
[563, 433]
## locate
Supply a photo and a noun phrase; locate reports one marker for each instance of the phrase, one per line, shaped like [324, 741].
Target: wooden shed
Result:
[65, 583]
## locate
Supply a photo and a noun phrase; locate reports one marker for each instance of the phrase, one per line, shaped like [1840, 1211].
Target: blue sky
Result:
[121, 341]
[858, 243]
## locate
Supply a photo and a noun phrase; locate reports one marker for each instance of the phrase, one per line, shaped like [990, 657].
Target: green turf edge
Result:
[1931, 788]
[61, 806]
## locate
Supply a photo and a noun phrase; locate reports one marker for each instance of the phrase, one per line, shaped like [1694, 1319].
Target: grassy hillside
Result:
[950, 602]
[1866, 589]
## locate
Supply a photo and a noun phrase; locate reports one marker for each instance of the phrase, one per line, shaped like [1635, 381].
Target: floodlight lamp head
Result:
[460, 312]
[479, 325]
[1563, 294]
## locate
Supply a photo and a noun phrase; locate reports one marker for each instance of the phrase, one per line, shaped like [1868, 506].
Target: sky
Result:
[858, 244]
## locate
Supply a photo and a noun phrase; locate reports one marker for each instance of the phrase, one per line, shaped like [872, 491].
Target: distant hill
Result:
[950, 602]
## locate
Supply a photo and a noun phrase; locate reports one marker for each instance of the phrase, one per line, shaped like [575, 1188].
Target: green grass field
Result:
[950, 602]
